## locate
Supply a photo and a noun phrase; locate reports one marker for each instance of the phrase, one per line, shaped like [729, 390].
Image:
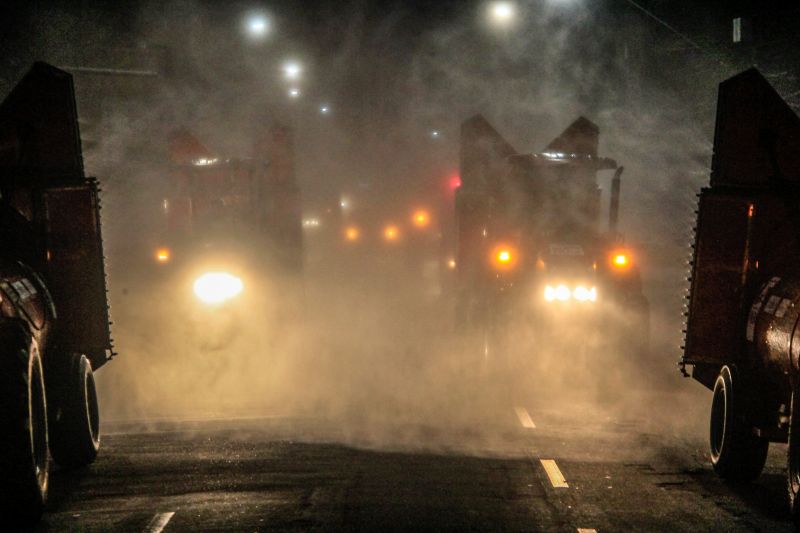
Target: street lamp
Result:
[292, 70]
[294, 93]
[502, 14]
[324, 109]
[257, 26]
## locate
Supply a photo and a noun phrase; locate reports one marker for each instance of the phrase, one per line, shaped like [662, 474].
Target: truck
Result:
[225, 250]
[535, 269]
[54, 316]
[742, 339]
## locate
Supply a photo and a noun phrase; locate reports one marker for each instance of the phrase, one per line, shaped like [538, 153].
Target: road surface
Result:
[527, 465]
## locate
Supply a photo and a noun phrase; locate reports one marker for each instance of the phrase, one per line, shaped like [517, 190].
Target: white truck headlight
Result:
[217, 287]
[563, 293]
[559, 292]
[584, 294]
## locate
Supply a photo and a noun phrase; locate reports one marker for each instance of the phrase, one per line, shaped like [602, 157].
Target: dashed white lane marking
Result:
[554, 473]
[586, 530]
[159, 522]
[525, 418]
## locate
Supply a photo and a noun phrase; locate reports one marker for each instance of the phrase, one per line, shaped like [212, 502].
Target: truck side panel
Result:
[715, 315]
[75, 271]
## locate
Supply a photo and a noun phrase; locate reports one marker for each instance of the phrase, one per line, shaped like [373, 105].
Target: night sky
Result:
[394, 72]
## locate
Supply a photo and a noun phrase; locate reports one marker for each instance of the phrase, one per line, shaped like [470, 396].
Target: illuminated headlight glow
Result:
[562, 293]
[217, 287]
[583, 294]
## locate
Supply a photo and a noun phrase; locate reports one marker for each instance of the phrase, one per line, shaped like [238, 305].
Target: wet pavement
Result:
[524, 466]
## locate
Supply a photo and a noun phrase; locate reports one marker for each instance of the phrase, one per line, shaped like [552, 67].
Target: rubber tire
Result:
[75, 418]
[736, 453]
[793, 458]
[24, 462]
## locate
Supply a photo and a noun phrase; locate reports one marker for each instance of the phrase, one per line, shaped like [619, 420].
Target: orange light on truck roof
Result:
[163, 255]
[504, 257]
[621, 260]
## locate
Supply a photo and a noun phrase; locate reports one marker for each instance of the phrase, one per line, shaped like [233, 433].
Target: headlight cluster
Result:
[563, 293]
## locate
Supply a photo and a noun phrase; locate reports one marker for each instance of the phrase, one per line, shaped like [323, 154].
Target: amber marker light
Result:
[621, 260]
[163, 255]
[391, 233]
[421, 219]
[504, 257]
[352, 234]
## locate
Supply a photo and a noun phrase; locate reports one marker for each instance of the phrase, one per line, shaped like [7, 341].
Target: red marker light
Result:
[455, 182]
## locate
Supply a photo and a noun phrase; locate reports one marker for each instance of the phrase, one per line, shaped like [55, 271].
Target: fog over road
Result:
[621, 471]
[381, 419]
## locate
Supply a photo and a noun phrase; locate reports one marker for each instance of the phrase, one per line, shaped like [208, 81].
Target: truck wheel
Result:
[793, 457]
[736, 453]
[24, 462]
[75, 418]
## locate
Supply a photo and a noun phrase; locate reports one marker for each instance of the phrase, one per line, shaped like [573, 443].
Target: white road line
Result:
[554, 473]
[525, 418]
[159, 522]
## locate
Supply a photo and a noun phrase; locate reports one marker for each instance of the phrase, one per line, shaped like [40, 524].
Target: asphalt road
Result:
[527, 465]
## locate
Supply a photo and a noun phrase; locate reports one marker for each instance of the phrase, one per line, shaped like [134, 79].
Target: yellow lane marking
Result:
[525, 418]
[158, 523]
[586, 530]
[554, 473]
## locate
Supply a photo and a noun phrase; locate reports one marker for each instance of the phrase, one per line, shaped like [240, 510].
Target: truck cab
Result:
[533, 254]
